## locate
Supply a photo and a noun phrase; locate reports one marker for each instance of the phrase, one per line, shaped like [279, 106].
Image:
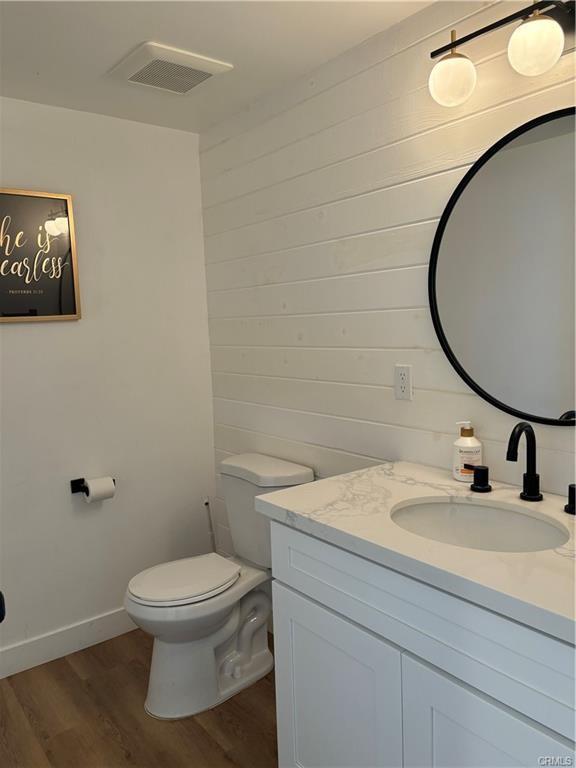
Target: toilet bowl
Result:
[208, 614]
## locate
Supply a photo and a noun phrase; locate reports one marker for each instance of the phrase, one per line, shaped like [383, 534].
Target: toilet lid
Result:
[189, 580]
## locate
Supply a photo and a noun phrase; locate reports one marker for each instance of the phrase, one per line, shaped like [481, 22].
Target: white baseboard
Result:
[37, 650]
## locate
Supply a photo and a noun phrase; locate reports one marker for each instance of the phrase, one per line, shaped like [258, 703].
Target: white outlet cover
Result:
[403, 388]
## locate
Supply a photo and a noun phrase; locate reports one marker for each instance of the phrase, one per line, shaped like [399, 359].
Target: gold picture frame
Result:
[10, 240]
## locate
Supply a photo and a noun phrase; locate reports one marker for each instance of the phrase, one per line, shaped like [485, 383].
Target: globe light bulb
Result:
[536, 45]
[452, 80]
[62, 225]
[51, 228]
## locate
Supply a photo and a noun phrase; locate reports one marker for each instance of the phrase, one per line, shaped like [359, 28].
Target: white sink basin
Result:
[480, 525]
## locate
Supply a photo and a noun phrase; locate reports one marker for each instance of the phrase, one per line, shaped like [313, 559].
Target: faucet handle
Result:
[571, 506]
[481, 477]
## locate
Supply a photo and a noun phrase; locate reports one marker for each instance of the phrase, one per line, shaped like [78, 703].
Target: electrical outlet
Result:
[403, 382]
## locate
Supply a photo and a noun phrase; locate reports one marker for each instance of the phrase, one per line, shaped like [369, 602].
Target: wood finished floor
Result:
[86, 711]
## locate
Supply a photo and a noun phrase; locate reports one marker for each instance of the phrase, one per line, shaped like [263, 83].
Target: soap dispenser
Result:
[467, 450]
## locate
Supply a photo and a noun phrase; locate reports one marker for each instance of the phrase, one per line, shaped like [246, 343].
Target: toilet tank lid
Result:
[266, 471]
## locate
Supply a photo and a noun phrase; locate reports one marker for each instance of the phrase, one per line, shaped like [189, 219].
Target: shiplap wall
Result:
[320, 206]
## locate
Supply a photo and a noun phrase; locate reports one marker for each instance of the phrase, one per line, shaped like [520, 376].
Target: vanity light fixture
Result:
[536, 45]
[534, 48]
[453, 78]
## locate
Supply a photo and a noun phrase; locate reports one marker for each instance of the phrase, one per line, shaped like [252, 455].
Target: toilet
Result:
[208, 614]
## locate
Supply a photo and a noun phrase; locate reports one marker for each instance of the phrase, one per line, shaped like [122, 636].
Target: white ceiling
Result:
[60, 52]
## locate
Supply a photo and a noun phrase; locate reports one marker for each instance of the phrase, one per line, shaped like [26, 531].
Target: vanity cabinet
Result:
[374, 668]
[448, 725]
[339, 689]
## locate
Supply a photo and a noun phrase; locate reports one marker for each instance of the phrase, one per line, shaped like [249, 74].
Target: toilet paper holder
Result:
[79, 485]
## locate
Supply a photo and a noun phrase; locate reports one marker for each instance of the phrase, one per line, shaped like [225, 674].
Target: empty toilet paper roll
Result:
[99, 488]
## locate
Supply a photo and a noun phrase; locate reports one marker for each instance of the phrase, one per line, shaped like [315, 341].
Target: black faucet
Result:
[531, 480]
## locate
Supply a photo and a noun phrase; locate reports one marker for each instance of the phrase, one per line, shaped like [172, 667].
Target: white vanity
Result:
[396, 649]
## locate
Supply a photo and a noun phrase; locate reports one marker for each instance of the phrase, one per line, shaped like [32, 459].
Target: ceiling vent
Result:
[167, 69]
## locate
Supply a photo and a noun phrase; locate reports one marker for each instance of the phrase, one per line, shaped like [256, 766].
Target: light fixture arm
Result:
[541, 6]
[453, 41]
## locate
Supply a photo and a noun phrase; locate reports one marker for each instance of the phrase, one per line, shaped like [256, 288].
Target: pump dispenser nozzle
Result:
[466, 428]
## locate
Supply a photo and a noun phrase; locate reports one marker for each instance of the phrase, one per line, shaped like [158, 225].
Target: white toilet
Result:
[208, 614]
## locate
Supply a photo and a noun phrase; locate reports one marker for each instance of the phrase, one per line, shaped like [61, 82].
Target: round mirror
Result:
[501, 280]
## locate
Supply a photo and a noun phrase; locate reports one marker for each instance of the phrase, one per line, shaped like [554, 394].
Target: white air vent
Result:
[169, 69]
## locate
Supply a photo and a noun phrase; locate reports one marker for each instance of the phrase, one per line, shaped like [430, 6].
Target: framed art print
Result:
[38, 269]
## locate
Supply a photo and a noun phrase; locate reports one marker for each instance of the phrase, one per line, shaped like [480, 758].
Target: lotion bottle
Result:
[467, 450]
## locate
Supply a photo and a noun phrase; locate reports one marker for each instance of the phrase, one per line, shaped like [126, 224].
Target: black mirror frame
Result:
[434, 263]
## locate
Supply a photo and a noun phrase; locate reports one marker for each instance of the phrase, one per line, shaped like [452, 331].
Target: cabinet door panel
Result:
[449, 725]
[338, 689]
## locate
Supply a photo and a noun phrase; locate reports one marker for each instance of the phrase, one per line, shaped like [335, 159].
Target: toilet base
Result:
[262, 667]
[189, 677]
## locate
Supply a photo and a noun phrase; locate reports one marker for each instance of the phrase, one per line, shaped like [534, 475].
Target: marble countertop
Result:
[353, 511]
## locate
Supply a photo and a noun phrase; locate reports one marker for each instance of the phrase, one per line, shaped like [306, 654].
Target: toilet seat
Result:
[186, 581]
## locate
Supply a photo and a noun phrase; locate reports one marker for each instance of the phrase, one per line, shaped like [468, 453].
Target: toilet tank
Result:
[244, 477]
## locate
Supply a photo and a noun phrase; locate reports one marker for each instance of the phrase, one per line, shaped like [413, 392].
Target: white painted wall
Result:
[124, 392]
[320, 205]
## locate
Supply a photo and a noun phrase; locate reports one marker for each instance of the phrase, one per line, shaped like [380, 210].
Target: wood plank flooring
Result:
[86, 711]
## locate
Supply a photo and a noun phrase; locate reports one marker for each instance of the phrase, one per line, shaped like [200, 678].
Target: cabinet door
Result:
[449, 725]
[338, 689]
